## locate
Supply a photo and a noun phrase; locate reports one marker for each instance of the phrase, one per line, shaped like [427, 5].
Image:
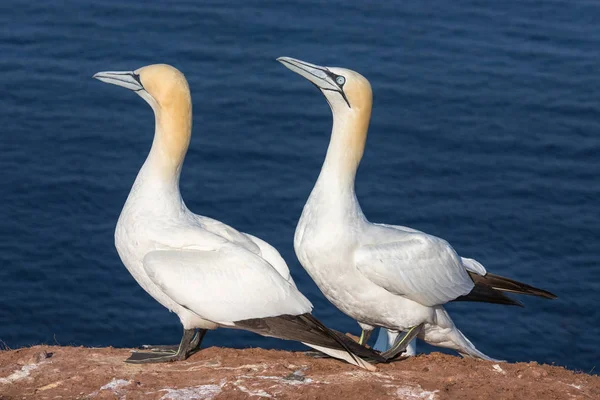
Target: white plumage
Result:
[208, 273]
[224, 285]
[381, 275]
[418, 266]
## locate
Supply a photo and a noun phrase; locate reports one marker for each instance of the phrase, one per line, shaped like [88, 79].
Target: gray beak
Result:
[318, 75]
[127, 79]
[321, 77]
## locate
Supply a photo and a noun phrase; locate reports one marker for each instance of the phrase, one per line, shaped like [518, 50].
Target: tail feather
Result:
[503, 284]
[490, 288]
[307, 329]
[486, 294]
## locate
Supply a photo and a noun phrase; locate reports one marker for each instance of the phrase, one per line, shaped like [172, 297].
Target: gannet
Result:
[205, 271]
[381, 275]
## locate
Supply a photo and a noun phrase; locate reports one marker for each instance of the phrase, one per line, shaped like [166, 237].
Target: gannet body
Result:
[381, 275]
[208, 273]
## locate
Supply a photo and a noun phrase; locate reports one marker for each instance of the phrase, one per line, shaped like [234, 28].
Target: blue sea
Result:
[485, 132]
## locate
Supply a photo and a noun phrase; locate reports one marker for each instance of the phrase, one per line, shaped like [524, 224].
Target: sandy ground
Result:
[53, 372]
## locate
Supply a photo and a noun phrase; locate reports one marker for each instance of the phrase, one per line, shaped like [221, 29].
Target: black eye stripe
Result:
[341, 92]
[137, 78]
[334, 77]
[327, 72]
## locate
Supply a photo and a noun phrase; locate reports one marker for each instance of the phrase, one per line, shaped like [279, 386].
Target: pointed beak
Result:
[320, 76]
[127, 79]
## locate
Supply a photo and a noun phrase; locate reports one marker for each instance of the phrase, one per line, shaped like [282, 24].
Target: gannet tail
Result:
[503, 284]
[483, 293]
[491, 288]
[307, 329]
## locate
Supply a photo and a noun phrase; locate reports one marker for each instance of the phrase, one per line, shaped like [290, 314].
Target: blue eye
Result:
[340, 80]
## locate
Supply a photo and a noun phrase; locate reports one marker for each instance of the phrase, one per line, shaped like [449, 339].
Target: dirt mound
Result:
[51, 372]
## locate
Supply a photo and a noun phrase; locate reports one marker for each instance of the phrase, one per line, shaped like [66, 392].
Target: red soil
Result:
[52, 372]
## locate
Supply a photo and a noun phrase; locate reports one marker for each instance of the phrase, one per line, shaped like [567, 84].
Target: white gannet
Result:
[206, 272]
[381, 275]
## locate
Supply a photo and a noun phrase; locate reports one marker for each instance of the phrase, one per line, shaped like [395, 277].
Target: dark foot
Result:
[364, 337]
[197, 340]
[402, 343]
[190, 344]
[160, 348]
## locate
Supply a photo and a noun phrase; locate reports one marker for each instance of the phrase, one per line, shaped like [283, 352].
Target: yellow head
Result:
[159, 84]
[166, 90]
[350, 97]
[344, 89]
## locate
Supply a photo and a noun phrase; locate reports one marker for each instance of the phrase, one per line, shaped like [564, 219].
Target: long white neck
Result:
[160, 173]
[335, 186]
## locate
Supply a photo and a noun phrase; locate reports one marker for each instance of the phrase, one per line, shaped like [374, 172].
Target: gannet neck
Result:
[166, 90]
[172, 136]
[346, 147]
[350, 97]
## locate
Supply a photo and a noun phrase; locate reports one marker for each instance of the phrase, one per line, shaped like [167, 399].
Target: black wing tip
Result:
[517, 303]
[308, 329]
[508, 285]
[360, 350]
[483, 293]
[545, 294]
[352, 347]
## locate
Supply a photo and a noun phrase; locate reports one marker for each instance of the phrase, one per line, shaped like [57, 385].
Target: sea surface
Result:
[485, 132]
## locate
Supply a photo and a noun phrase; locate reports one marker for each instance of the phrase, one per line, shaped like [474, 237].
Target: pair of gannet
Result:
[386, 276]
[205, 271]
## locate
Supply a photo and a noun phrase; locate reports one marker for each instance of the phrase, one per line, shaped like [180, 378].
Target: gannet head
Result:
[344, 89]
[161, 85]
[166, 90]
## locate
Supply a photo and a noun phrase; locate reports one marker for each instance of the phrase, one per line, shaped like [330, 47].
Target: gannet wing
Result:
[468, 263]
[474, 266]
[231, 234]
[225, 285]
[420, 267]
[272, 256]
[399, 228]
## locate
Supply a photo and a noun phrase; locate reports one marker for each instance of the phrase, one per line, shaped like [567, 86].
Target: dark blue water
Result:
[485, 131]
